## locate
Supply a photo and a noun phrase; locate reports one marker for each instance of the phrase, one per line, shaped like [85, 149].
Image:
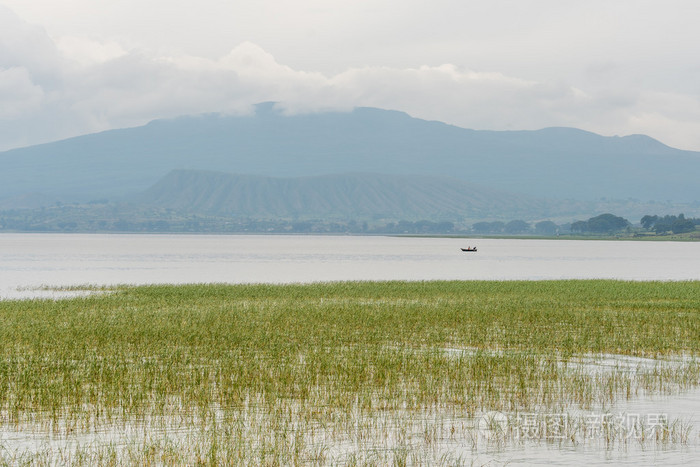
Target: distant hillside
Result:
[343, 196]
[560, 163]
[363, 196]
[206, 201]
[27, 201]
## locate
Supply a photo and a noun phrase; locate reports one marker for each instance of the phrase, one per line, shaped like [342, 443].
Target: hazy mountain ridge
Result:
[338, 196]
[205, 201]
[362, 196]
[561, 163]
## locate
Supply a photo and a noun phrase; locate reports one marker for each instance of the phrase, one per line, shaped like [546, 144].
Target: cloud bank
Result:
[56, 89]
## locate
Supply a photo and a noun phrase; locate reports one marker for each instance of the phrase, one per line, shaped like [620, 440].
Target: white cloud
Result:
[19, 96]
[87, 51]
[79, 84]
[26, 46]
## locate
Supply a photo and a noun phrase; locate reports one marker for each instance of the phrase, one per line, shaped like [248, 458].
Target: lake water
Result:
[28, 261]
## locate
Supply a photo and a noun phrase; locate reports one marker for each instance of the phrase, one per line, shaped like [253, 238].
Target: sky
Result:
[73, 67]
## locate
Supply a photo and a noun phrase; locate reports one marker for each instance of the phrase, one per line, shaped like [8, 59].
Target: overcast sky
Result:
[70, 67]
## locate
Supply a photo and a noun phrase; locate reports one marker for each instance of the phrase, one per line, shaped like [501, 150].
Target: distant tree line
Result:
[74, 219]
[676, 224]
[67, 218]
[125, 218]
[517, 227]
[602, 224]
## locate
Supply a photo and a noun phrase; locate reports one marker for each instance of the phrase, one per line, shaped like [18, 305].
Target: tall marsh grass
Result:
[280, 374]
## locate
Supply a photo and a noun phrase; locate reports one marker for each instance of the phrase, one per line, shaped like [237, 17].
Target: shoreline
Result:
[690, 237]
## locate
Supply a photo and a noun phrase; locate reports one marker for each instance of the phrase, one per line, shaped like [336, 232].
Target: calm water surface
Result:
[31, 260]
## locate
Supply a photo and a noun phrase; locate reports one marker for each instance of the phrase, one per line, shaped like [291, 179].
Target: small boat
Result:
[469, 249]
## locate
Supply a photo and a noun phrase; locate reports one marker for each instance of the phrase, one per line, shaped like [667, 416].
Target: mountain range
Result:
[335, 197]
[344, 163]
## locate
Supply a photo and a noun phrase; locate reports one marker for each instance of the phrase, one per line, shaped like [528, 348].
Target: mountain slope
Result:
[555, 162]
[344, 196]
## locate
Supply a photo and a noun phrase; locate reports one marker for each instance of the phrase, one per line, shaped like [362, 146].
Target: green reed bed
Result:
[355, 372]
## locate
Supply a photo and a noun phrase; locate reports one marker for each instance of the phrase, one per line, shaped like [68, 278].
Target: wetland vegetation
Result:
[349, 372]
